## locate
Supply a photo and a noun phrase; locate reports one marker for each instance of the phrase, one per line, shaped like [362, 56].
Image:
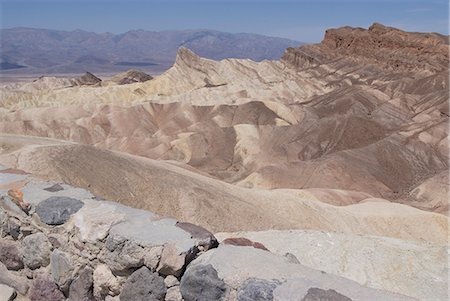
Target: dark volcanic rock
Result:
[10, 255]
[317, 294]
[143, 285]
[201, 283]
[57, 210]
[256, 289]
[81, 289]
[43, 289]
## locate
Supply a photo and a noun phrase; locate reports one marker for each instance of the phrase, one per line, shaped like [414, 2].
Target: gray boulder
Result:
[38, 250]
[256, 289]
[45, 289]
[81, 289]
[143, 285]
[201, 283]
[10, 255]
[121, 255]
[57, 210]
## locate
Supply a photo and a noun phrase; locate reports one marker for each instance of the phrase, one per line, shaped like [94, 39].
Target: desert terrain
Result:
[323, 175]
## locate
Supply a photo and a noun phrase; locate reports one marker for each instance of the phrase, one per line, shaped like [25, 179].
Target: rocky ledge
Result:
[60, 242]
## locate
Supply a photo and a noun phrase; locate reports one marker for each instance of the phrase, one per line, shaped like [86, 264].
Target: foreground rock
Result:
[243, 273]
[378, 262]
[103, 250]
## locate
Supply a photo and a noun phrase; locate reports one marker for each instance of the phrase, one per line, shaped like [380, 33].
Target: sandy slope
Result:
[169, 190]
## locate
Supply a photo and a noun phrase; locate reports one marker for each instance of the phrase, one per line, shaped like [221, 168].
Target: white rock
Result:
[7, 293]
[95, 219]
[105, 283]
[173, 294]
[171, 281]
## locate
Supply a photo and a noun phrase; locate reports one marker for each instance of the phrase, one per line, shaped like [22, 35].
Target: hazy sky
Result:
[303, 20]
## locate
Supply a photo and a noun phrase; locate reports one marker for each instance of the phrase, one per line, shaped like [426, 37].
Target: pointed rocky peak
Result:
[187, 56]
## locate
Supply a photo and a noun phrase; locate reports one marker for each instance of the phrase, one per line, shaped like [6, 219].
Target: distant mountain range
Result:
[29, 50]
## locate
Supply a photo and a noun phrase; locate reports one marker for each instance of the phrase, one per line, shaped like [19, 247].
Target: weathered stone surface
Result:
[61, 268]
[95, 219]
[45, 289]
[121, 255]
[201, 283]
[234, 265]
[378, 262]
[54, 188]
[57, 210]
[152, 257]
[244, 242]
[82, 288]
[34, 192]
[143, 285]
[7, 293]
[13, 280]
[173, 294]
[172, 261]
[256, 289]
[105, 282]
[315, 294]
[204, 238]
[10, 255]
[37, 250]
[170, 281]
[144, 228]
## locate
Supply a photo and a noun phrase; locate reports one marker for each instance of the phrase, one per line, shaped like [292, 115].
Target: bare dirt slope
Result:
[169, 190]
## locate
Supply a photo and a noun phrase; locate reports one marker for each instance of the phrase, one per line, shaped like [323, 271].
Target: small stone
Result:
[82, 288]
[256, 289]
[54, 188]
[152, 257]
[244, 242]
[174, 294]
[7, 293]
[143, 285]
[125, 257]
[291, 258]
[201, 283]
[45, 289]
[171, 262]
[171, 281]
[105, 282]
[57, 210]
[315, 294]
[61, 267]
[204, 238]
[8, 278]
[57, 240]
[13, 227]
[37, 250]
[10, 255]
